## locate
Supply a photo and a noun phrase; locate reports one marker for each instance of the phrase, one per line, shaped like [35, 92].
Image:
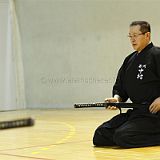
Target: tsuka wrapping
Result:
[88, 105]
[17, 123]
[105, 104]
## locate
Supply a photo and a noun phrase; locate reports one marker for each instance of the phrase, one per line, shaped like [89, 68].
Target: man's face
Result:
[138, 39]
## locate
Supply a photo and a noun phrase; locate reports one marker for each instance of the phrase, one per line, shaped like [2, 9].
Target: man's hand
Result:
[155, 106]
[111, 100]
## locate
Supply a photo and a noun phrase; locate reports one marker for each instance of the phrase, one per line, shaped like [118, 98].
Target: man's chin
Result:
[134, 47]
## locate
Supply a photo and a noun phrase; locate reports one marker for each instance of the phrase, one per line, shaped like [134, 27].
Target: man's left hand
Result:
[155, 106]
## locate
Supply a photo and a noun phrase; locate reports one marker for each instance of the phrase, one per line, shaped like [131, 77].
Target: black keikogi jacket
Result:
[139, 76]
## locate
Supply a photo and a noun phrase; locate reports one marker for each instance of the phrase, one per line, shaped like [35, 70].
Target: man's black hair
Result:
[144, 26]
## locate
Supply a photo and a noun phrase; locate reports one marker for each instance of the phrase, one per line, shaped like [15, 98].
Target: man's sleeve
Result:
[118, 88]
[157, 60]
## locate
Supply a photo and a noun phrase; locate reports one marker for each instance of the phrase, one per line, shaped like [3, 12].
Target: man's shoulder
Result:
[130, 55]
[155, 50]
[129, 58]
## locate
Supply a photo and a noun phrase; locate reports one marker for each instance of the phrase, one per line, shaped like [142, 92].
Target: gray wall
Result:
[7, 69]
[3, 13]
[72, 49]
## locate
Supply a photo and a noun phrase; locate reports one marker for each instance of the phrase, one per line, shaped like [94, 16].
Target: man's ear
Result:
[148, 35]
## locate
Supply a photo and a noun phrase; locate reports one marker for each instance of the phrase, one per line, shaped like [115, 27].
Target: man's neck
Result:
[144, 47]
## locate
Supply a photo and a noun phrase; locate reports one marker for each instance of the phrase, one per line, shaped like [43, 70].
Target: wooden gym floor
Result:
[64, 134]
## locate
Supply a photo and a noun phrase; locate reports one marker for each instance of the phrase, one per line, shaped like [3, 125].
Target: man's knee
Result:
[103, 137]
[97, 138]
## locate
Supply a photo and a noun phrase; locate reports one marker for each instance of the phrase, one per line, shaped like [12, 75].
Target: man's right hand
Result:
[112, 100]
